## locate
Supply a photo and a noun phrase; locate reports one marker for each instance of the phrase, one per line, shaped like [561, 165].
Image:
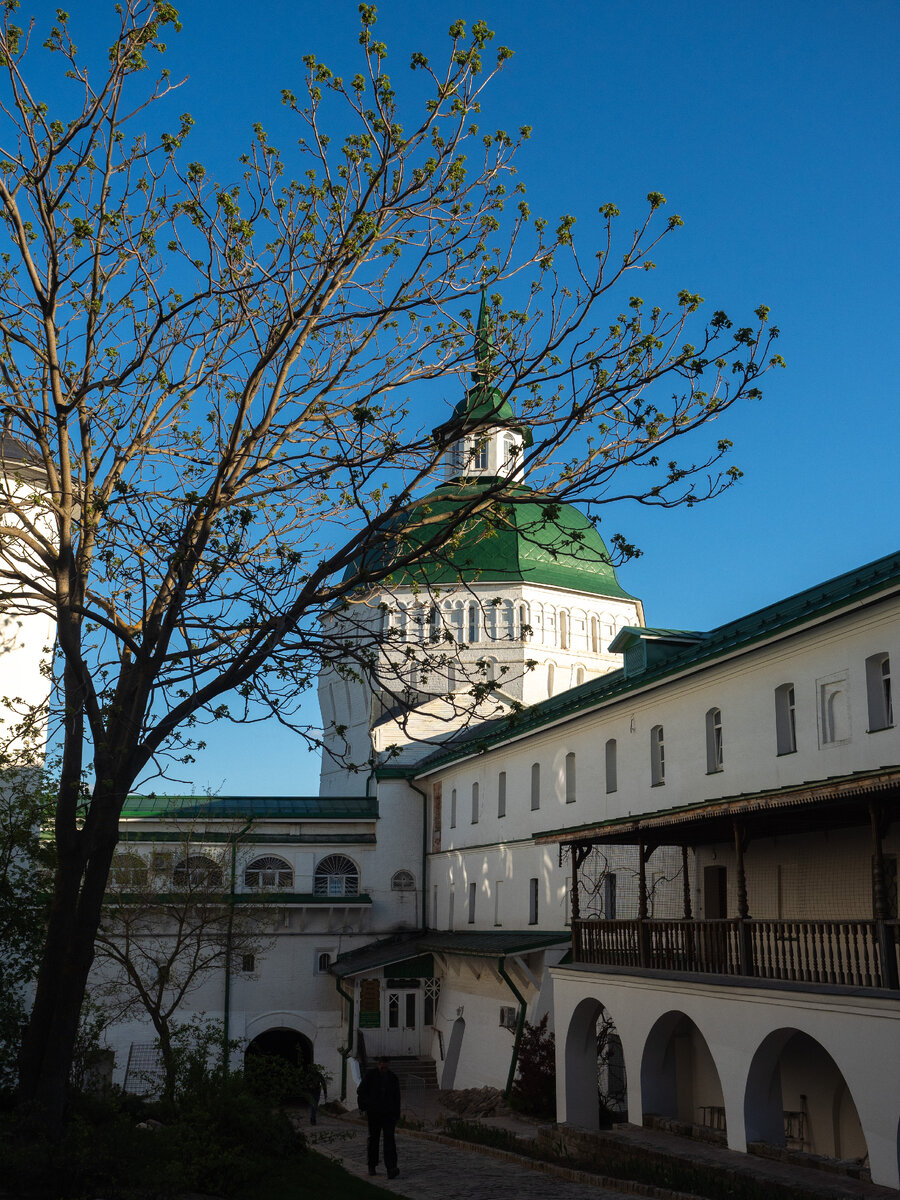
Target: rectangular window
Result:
[532, 901]
[878, 691]
[453, 809]
[612, 780]
[451, 907]
[248, 963]
[535, 786]
[657, 756]
[501, 794]
[393, 1010]
[785, 719]
[498, 887]
[714, 757]
[570, 779]
[434, 907]
[472, 888]
[610, 887]
[474, 803]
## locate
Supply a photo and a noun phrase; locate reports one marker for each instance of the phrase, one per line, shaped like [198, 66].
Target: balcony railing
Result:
[852, 953]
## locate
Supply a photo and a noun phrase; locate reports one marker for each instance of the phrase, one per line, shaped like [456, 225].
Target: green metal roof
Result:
[491, 943]
[525, 538]
[825, 599]
[323, 808]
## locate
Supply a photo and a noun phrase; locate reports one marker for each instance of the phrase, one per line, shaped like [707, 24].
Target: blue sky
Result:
[773, 129]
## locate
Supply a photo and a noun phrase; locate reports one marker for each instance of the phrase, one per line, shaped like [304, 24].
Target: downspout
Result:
[226, 1022]
[348, 1049]
[520, 1025]
[424, 796]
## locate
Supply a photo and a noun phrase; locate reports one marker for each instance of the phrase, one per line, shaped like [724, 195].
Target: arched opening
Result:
[451, 1062]
[287, 1045]
[679, 1079]
[596, 1093]
[797, 1097]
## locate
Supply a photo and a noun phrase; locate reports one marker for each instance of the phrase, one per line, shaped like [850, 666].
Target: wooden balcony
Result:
[849, 953]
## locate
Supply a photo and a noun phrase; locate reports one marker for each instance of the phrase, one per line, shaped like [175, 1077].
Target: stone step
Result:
[419, 1068]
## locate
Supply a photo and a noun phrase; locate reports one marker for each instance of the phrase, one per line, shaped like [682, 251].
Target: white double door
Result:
[402, 1020]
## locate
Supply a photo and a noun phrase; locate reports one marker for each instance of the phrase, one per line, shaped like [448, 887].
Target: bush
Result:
[534, 1089]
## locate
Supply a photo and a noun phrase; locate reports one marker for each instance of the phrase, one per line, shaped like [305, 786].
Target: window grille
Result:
[269, 872]
[336, 875]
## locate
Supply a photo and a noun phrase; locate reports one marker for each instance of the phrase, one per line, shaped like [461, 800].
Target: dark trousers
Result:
[382, 1126]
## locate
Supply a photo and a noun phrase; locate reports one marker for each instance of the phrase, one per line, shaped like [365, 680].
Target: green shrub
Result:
[534, 1089]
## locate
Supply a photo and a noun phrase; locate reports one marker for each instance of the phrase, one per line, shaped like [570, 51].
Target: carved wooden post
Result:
[686, 884]
[643, 931]
[884, 934]
[745, 944]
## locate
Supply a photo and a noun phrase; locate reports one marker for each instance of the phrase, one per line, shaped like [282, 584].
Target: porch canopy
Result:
[419, 949]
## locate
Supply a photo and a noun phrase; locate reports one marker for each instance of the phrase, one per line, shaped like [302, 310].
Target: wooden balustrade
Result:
[830, 952]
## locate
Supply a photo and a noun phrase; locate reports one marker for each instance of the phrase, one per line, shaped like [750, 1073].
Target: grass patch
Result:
[318, 1177]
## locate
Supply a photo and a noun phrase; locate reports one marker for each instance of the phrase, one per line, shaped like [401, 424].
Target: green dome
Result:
[533, 540]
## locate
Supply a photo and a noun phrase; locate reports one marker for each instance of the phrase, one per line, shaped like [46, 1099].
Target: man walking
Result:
[378, 1097]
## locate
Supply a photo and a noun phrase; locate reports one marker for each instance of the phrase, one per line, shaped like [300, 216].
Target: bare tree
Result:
[213, 377]
[170, 924]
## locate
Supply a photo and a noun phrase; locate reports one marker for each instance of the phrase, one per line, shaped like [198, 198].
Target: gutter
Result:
[348, 1049]
[226, 1022]
[520, 1025]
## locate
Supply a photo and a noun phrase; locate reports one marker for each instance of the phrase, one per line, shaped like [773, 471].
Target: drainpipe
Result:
[520, 1025]
[226, 1023]
[424, 796]
[348, 1049]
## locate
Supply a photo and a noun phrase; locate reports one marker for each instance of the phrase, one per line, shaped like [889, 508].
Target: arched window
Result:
[657, 756]
[595, 636]
[269, 872]
[570, 778]
[458, 621]
[551, 677]
[878, 689]
[490, 670]
[403, 881]
[579, 675]
[434, 618]
[535, 786]
[785, 719]
[714, 757]
[612, 781]
[524, 626]
[474, 803]
[564, 629]
[453, 809]
[197, 871]
[474, 622]
[509, 620]
[336, 875]
[129, 871]
[510, 452]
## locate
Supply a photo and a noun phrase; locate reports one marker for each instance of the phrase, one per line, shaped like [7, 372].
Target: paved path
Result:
[433, 1171]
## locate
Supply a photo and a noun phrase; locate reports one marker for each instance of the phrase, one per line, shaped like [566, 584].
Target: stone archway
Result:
[287, 1044]
[594, 1068]
[797, 1095]
[679, 1077]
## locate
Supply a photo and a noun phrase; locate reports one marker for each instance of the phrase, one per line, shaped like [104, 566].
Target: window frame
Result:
[657, 756]
[785, 719]
[715, 757]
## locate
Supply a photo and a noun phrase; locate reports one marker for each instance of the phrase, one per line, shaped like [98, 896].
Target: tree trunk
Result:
[49, 1042]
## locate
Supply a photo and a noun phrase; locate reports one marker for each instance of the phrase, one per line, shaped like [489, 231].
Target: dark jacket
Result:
[379, 1094]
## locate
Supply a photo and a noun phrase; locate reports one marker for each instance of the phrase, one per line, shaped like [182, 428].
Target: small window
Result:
[595, 636]
[498, 888]
[474, 622]
[451, 906]
[535, 786]
[714, 757]
[434, 621]
[657, 756]
[509, 620]
[480, 457]
[785, 719]
[501, 794]
[453, 809]
[403, 881]
[532, 901]
[129, 871]
[612, 782]
[551, 678]
[878, 689]
[579, 676]
[610, 888]
[524, 629]
[564, 629]
[269, 872]
[336, 875]
[570, 779]
[248, 963]
[474, 803]
[323, 961]
[472, 893]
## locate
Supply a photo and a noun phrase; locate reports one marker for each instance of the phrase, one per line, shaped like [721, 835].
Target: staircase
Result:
[414, 1072]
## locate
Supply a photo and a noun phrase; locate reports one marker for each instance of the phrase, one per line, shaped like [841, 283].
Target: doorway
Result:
[402, 1020]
